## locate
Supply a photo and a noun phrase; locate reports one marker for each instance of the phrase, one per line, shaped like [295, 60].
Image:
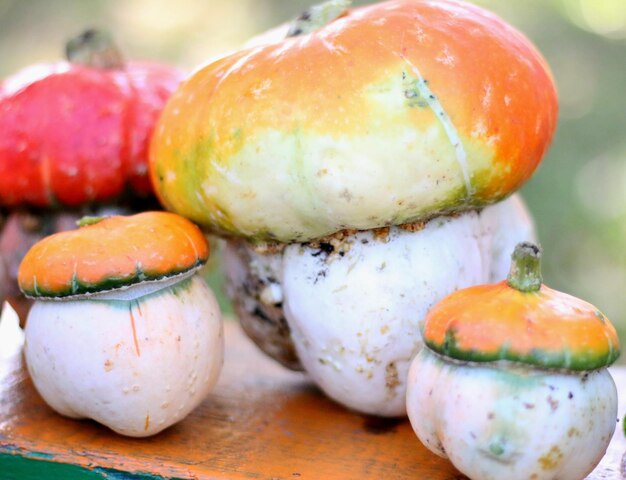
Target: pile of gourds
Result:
[360, 166]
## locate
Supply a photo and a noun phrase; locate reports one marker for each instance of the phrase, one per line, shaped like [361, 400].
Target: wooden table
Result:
[261, 422]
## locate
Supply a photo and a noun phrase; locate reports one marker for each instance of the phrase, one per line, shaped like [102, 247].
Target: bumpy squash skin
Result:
[72, 134]
[394, 112]
[515, 422]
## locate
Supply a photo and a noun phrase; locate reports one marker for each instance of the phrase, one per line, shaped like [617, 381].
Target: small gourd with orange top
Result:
[513, 381]
[122, 331]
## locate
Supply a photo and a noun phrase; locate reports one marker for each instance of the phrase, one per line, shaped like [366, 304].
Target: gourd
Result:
[123, 330]
[340, 161]
[513, 381]
[77, 131]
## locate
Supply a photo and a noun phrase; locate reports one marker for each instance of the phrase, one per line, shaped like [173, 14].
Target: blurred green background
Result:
[578, 196]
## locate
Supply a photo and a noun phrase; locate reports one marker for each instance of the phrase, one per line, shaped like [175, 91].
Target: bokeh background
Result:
[578, 196]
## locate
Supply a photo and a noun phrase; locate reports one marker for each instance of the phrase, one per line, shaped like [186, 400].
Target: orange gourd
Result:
[388, 114]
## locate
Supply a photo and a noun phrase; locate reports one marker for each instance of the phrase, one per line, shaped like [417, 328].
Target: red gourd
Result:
[77, 131]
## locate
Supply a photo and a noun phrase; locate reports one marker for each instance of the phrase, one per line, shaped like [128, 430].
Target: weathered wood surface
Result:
[261, 422]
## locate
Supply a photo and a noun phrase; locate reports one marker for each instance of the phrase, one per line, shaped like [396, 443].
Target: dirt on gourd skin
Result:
[265, 322]
[338, 241]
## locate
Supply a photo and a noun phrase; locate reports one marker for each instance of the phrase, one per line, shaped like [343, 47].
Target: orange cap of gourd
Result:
[522, 320]
[389, 113]
[112, 253]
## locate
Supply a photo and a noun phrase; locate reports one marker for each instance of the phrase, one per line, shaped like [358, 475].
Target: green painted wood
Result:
[41, 466]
